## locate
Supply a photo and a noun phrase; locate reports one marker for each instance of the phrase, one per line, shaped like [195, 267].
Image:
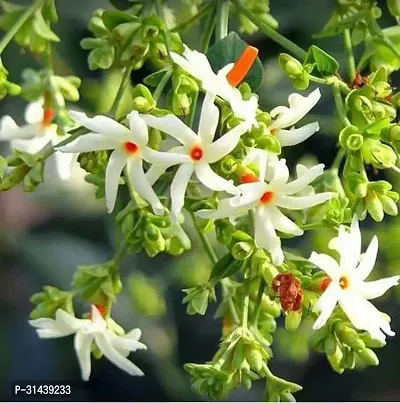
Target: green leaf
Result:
[155, 78]
[113, 18]
[41, 28]
[228, 50]
[322, 63]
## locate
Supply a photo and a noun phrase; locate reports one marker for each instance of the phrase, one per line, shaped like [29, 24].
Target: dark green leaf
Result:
[323, 64]
[228, 50]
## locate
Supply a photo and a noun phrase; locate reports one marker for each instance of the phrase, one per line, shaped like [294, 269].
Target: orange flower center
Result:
[48, 115]
[266, 197]
[344, 282]
[248, 178]
[196, 153]
[131, 148]
[242, 66]
[325, 283]
[102, 309]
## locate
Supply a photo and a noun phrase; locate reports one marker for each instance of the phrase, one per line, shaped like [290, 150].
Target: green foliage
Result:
[49, 301]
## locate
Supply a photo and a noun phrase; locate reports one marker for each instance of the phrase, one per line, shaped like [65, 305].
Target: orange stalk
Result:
[242, 66]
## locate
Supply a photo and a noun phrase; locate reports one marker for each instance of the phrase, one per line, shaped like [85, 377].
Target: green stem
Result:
[270, 32]
[339, 104]
[258, 302]
[338, 160]
[7, 38]
[245, 313]
[125, 81]
[193, 110]
[222, 25]
[200, 14]
[208, 30]
[161, 85]
[165, 32]
[350, 62]
[206, 243]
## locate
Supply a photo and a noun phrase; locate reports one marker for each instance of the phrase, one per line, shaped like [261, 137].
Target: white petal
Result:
[281, 176]
[208, 119]
[126, 343]
[82, 345]
[245, 109]
[282, 223]
[138, 127]
[304, 179]
[178, 189]
[326, 263]
[90, 142]
[367, 260]
[102, 124]
[299, 106]
[96, 317]
[62, 162]
[173, 126]
[326, 304]
[375, 289]
[250, 194]
[142, 186]
[364, 316]
[296, 136]
[260, 157]
[302, 202]
[31, 146]
[67, 321]
[265, 236]
[34, 112]
[225, 144]
[114, 168]
[225, 210]
[213, 181]
[105, 346]
[164, 158]
[9, 130]
[7, 126]
[42, 323]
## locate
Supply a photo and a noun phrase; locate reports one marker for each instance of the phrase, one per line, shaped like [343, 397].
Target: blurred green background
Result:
[44, 236]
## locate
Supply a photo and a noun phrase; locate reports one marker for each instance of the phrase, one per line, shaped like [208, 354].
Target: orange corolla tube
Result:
[242, 66]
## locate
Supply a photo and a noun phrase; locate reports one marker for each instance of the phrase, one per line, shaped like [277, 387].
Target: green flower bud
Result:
[370, 342]
[379, 155]
[349, 336]
[354, 142]
[368, 357]
[259, 264]
[394, 7]
[254, 358]
[224, 230]
[239, 355]
[330, 344]
[242, 250]
[374, 206]
[302, 82]
[346, 133]
[271, 307]
[389, 205]
[264, 117]
[335, 360]
[395, 132]
[143, 100]
[292, 320]
[127, 224]
[259, 131]
[228, 165]
[269, 143]
[291, 66]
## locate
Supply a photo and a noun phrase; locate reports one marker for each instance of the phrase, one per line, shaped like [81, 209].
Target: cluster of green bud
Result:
[344, 346]
[99, 284]
[142, 99]
[7, 87]
[127, 40]
[49, 301]
[35, 33]
[183, 91]
[150, 232]
[197, 299]
[262, 10]
[297, 73]
[280, 390]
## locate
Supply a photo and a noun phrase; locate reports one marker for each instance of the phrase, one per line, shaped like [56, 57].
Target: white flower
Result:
[266, 198]
[196, 154]
[285, 117]
[115, 348]
[35, 135]
[347, 284]
[130, 148]
[224, 82]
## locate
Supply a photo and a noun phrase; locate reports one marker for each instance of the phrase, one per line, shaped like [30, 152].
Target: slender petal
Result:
[178, 189]
[213, 181]
[302, 202]
[164, 158]
[105, 346]
[296, 136]
[225, 144]
[281, 176]
[65, 320]
[142, 186]
[265, 236]
[173, 126]
[126, 343]
[34, 112]
[9, 130]
[375, 289]
[367, 260]
[326, 304]
[244, 109]
[250, 194]
[208, 119]
[282, 223]
[303, 180]
[33, 145]
[138, 127]
[62, 164]
[114, 168]
[90, 142]
[102, 124]
[260, 157]
[225, 210]
[82, 344]
[326, 263]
